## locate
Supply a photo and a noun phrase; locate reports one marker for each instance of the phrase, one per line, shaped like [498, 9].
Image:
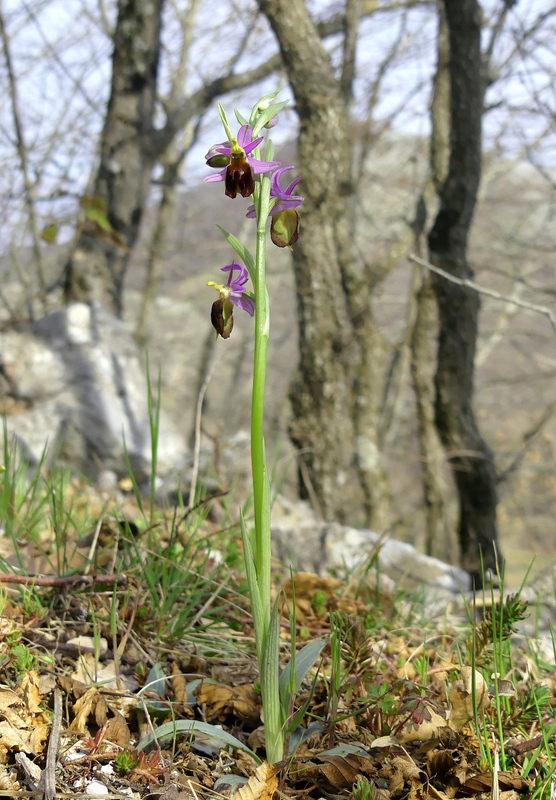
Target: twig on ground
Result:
[49, 774]
[483, 290]
[68, 580]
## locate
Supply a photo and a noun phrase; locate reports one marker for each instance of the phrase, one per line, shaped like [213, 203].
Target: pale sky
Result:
[61, 58]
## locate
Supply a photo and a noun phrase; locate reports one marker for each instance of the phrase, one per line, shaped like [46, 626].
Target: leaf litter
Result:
[410, 721]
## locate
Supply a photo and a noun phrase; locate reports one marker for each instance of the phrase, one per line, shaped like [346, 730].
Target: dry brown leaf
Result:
[179, 685]
[430, 728]
[260, 786]
[507, 781]
[383, 741]
[462, 699]
[29, 690]
[71, 687]
[117, 731]
[8, 699]
[256, 740]
[306, 585]
[417, 792]
[408, 768]
[197, 766]
[101, 711]
[37, 738]
[23, 724]
[436, 794]
[396, 783]
[8, 783]
[343, 771]
[220, 701]
[82, 708]
[441, 763]
[509, 795]
[373, 588]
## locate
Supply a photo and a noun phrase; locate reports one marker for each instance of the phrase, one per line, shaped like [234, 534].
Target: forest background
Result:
[422, 130]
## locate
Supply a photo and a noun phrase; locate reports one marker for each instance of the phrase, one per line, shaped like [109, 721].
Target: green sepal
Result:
[284, 228]
[219, 161]
[266, 115]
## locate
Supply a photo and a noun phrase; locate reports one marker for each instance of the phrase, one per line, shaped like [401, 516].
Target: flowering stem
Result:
[258, 457]
[261, 489]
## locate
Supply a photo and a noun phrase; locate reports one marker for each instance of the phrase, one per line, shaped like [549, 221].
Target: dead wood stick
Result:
[68, 580]
[49, 774]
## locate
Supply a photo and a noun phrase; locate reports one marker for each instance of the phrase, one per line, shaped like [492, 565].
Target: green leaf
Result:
[50, 232]
[242, 252]
[305, 659]
[225, 122]
[270, 689]
[253, 583]
[199, 730]
[155, 684]
[156, 681]
[345, 750]
[97, 216]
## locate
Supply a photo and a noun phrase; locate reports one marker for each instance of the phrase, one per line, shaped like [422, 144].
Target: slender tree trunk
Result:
[163, 223]
[96, 268]
[458, 308]
[440, 537]
[29, 189]
[335, 396]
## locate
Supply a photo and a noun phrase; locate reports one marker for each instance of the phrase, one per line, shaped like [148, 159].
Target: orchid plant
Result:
[243, 172]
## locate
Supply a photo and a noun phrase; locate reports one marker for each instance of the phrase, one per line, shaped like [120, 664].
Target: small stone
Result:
[96, 789]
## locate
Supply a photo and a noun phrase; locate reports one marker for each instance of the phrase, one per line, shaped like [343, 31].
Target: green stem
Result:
[267, 638]
[261, 495]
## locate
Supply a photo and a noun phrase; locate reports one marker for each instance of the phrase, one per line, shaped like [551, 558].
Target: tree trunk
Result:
[163, 223]
[438, 494]
[439, 491]
[335, 396]
[458, 307]
[97, 265]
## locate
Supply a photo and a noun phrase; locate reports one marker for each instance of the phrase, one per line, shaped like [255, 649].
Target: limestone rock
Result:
[311, 545]
[72, 383]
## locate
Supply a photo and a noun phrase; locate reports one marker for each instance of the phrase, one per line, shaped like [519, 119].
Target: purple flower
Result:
[285, 198]
[232, 293]
[236, 287]
[239, 168]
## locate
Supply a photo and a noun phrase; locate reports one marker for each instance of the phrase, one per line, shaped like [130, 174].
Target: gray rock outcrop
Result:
[72, 384]
[311, 545]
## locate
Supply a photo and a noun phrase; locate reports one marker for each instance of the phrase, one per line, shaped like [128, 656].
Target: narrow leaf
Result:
[305, 659]
[101, 220]
[199, 730]
[254, 593]
[270, 691]
[242, 252]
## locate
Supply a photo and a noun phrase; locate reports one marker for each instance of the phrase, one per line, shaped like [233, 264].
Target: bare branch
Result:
[483, 290]
[529, 438]
[22, 153]
[351, 28]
